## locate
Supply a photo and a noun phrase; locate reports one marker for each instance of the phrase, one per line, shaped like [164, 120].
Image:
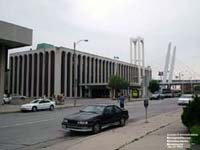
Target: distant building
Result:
[49, 71]
[11, 36]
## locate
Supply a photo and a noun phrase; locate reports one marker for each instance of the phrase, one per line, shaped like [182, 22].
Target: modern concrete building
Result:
[49, 71]
[11, 36]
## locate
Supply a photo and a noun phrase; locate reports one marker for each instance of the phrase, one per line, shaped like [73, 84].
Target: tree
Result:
[153, 86]
[197, 89]
[116, 84]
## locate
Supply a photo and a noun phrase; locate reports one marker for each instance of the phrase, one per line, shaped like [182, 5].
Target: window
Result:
[117, 110]
[109, 110]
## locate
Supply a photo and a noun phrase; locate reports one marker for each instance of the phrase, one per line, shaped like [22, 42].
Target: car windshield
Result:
[186, 96]
[93, 109]
[35, 101]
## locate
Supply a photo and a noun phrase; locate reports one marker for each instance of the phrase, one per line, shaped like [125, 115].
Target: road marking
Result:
[26, 123]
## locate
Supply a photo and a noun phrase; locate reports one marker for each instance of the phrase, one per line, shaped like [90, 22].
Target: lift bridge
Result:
[167, 74]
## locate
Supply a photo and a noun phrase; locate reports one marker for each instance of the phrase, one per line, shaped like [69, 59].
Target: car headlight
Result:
[82, 122]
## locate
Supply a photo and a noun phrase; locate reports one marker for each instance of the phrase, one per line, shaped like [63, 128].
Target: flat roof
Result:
[14, 36]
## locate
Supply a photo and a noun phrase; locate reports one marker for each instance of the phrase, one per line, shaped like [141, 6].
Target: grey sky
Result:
[108, 24]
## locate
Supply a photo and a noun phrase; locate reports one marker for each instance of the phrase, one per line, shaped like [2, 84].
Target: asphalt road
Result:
[41, 129]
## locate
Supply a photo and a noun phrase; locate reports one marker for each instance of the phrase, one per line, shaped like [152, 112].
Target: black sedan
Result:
[96, 117]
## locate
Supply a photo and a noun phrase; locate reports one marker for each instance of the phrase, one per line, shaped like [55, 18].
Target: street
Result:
[43, 128]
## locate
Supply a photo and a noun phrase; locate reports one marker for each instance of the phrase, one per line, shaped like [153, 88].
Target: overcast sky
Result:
[108, 25]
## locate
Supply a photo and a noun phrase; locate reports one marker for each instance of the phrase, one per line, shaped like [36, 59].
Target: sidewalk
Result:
[134, 136]
[10, 108]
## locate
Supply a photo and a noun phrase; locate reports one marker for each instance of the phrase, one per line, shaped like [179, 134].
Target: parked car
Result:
[95, 118]
[38, 104]
[185, 99]
[155, 96]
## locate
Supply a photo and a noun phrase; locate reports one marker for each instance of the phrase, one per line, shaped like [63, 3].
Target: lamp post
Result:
[74, 70]
[180, 74]
[116, 58]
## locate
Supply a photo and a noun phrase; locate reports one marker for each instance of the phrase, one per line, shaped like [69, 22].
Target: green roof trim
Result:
[45, 46]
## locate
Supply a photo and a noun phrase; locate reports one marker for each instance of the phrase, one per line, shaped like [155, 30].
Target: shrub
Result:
[195, 130]
[191, 113]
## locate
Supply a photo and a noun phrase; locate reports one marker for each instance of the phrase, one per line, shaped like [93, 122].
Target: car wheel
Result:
[51, 108]
[34, 109]
[96, 128]
[122, 122]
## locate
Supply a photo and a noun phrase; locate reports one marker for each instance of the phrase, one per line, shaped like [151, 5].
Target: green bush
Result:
[191, 113]
[195, 130]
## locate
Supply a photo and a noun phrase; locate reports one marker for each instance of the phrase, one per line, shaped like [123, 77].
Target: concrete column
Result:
[90, 69]
[76, 75]
[13, 76]
[98, 70]
[8, 78]
[108, 71]
[81, 75]
[49, 76]
[131, 49]
[57, 77]
[22, 81]
[33, 76]
[65, 88]
[2, 70]
[18, 65]
[38, 74]
[86, 73]
[128, 73]
[94, 71]
[139, 62]
[111, 69]
[27, 77]
[43, 73]
[101, 71]
[105, 72]
[71, 65]
[135, 53]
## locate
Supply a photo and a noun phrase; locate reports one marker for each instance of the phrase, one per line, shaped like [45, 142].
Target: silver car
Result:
[185, 99]
[38, 104]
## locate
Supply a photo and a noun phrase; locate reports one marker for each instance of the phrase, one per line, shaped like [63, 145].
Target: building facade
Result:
[58, 70]
[11, 36]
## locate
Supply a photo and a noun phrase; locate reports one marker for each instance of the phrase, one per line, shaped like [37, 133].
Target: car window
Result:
[109, 110]
[41, 102]
[93, 109]
[46, 101]
[186, 96]
[116, 109]
[35, 101]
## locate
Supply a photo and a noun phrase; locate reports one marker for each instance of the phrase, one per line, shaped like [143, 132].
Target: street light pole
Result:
[74, 70]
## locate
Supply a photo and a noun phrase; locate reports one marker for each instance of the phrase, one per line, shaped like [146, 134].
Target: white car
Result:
[38, 104]
[185, 99]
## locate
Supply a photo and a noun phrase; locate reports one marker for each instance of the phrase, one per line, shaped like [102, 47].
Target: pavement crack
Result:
[141, 137]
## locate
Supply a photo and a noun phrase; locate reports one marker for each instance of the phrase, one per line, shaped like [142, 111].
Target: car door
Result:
[41, 104]
[117, 114]
[46, 104]
[108, 115]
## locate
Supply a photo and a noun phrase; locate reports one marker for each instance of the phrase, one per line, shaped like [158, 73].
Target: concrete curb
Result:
[18, 111]
[79, 105]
